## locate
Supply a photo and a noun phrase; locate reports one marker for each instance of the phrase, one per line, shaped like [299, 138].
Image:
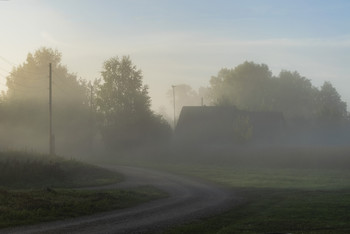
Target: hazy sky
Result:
[177, 41]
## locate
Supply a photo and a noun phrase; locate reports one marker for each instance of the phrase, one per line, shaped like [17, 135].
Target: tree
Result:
[246, 86]
[26, 105]
[123, 105]
[184, 96]
[252, 87]
[294, 95]
[330, 106]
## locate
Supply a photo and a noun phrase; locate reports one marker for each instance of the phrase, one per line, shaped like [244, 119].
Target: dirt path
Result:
[189, 199]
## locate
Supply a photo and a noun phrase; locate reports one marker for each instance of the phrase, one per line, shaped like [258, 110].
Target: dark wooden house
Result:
[225, 124]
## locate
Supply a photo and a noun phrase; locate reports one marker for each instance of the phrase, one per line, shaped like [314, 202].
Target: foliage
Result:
[246, 86]
[34, 206]
[294, 95]
[25, 105]
[123, 106]
[331, 107]
[185, 95]
[252, 87]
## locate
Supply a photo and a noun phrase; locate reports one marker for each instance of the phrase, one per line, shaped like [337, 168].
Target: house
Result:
[227, 125]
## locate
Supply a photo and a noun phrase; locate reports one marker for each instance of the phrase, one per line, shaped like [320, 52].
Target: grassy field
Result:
[20, 170]
[38, 188]
[277, 201]
[19, 207]
[280, 190]
[279, 211]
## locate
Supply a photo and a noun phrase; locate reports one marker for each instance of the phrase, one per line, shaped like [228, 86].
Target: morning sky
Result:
[175, 42]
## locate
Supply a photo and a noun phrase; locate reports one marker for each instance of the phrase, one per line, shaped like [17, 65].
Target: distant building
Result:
[227, 125]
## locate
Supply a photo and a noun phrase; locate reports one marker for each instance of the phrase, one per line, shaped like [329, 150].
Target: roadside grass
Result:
[38, 188]
[20, 170]
[277, 191]
[20, 207]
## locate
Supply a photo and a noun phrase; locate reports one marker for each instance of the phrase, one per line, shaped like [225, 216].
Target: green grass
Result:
[33, 206]
[29, 189]
[279, 190]
[279, 211]
[276, 200]
[20, 170]
[253, 177]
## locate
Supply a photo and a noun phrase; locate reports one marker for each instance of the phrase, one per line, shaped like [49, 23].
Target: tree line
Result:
[112, 112]
[251, 86]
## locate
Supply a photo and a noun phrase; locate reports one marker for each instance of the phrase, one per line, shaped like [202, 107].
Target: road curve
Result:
[188, 199]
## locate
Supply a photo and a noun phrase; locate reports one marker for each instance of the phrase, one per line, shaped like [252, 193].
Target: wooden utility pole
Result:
[91, 133]
[51, 135]
[173, 86]
[91, 99]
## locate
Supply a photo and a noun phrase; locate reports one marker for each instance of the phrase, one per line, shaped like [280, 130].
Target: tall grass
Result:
[29, 170]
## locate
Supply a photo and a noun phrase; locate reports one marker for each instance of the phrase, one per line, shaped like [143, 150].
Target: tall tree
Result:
[124, 106]
[26, 104]
[330, 106]
[251, 86]
[246, 86]
[294, 95]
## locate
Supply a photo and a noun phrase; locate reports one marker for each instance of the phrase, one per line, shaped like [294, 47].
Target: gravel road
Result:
[188, 200]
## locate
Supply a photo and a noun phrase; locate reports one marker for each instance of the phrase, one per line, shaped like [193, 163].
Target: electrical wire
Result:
[7, 61]
[4, 70]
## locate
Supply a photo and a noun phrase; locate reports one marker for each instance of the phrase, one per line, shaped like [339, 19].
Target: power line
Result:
[27, 70]
[2, 69]
[37, 87]
[20, 90]
[7, 61]
[1, 74]
[27, 78]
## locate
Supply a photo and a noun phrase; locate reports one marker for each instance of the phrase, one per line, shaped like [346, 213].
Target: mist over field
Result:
[245, 107]
[246, 102]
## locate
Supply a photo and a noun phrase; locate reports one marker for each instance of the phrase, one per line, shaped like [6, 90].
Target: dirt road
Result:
[188, 199]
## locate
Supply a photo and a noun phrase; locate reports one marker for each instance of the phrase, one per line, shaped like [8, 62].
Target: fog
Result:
[244, 109]
[143, 116]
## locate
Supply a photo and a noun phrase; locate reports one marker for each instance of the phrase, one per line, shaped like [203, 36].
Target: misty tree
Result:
[252, 87]
[330, 106]
[246, 86]
[185, 95]
[294, 95]
[162, 111]
[26, 105]
[124, 105]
